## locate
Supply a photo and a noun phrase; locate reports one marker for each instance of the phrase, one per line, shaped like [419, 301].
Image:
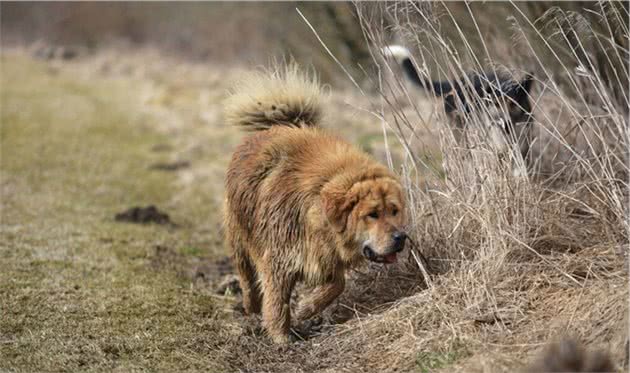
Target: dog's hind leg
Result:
[248, 280]
[276, 305]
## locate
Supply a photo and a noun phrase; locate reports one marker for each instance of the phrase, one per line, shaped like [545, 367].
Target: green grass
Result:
[79, 291]
[191, 251]
[428, 362]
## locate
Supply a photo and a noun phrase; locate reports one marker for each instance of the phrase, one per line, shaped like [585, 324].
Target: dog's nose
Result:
[399, 240]
[399, 237]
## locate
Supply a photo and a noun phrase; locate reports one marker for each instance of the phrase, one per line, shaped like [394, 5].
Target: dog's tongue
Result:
[390, 258]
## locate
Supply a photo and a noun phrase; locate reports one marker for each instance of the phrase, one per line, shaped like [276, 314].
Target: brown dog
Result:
[301, 204]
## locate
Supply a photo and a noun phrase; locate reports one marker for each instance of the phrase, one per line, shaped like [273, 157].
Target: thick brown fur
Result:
[301, 204]
[568, 355]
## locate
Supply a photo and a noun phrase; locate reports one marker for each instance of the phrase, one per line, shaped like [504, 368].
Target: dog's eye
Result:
[394, 211]
[373, 215]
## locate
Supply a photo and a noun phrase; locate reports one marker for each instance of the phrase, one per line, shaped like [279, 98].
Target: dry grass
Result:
[517, 261]
[501, 264]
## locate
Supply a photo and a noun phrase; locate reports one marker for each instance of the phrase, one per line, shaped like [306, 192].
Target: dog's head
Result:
[501, 104]
[370, 215]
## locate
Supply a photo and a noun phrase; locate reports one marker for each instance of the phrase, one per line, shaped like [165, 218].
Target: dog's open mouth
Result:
[389, 258]
[374, 257]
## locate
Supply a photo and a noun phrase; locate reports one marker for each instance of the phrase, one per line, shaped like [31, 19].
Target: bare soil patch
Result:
[170, 166]
[143, 215]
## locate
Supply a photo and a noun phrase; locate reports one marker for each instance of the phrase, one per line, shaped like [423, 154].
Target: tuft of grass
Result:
[191, 251]
[431, 361]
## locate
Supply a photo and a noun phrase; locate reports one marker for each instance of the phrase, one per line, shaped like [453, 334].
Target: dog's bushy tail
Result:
[282, 97]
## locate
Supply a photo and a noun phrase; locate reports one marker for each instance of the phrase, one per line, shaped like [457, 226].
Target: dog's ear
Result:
[450, 105]
[337, 204]
[520, 103]
[523, 89]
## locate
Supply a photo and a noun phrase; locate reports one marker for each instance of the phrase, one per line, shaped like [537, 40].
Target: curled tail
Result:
[284, 97]
[403, 57]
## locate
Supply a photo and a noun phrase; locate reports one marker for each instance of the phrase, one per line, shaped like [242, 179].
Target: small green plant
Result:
[431, 361]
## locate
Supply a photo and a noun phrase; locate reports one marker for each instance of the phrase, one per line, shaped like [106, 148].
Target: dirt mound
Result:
[143, 215]
[170, 166]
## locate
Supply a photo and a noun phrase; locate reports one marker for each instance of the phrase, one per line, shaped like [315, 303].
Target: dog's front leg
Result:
[320, 298]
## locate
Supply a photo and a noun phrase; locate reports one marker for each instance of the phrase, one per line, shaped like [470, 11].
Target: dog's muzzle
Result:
[398, 244]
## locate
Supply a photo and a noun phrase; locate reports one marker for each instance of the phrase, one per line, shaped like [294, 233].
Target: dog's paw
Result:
[308, 328]
[313, 325]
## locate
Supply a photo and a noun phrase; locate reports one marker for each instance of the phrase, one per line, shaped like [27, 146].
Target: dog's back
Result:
[283, 108]
[284, 163]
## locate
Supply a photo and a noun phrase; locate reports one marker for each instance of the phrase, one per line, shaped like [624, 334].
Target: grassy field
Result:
[80, 290]
[80, 141]
[512, 265]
